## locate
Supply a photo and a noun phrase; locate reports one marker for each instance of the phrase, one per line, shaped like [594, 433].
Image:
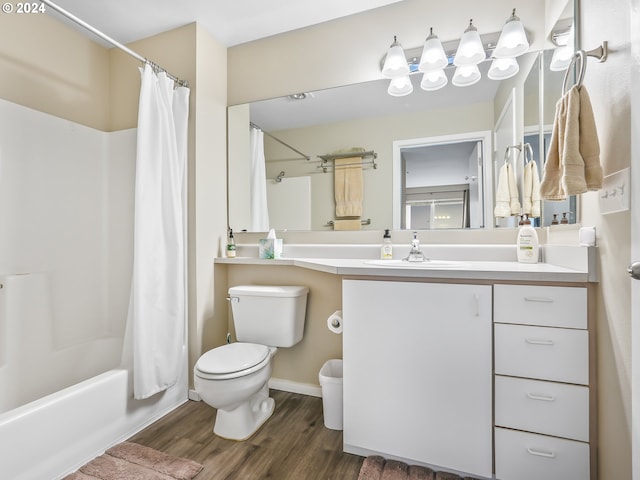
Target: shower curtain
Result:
[157, 307]
[258, 178]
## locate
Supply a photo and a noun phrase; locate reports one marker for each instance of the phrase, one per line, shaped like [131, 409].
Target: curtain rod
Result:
[110, 40]
[280, 141]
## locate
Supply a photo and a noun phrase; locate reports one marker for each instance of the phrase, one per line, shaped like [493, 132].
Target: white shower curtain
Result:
[258, 179]
[157, 311]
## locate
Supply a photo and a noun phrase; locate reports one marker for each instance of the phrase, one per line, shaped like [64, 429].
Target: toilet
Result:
[234, 378]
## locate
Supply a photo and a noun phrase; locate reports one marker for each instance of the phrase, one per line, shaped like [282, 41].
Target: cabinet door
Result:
[417, 372]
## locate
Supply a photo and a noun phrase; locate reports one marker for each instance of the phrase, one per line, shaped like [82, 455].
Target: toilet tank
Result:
[269, 315]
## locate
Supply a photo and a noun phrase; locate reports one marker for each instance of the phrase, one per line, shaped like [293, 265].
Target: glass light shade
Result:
[503, 68]
[401, 86]
[513, 39]
[433, 56]
[434, 80]
[466, 75]
[470, 49]
[561, 58]
[395, 65]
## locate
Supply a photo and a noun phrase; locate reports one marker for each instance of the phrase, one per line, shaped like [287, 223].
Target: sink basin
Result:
[425, 264]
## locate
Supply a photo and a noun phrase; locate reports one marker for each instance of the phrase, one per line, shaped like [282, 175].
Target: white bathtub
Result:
[51, 437]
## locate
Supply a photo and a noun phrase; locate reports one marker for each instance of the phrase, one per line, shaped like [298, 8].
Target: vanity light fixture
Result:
[513, 39]
[503, 68]
[395, 65]
[400, 86]
[433, 56]
[466, 75]
[470, 49]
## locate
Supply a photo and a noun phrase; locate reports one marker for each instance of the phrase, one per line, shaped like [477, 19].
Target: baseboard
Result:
[193, 395]
[295, 387]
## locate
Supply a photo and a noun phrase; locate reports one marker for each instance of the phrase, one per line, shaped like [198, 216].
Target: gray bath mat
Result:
[377, 468]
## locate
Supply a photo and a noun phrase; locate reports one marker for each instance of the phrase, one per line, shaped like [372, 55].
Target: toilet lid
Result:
[231, 358]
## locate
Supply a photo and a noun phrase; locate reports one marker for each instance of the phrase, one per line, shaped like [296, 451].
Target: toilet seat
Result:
[232, 361]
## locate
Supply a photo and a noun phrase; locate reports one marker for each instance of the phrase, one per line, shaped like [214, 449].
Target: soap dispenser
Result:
[231, 245]
[386, 250]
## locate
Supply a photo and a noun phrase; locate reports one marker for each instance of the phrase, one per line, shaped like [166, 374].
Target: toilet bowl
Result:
[234, 378]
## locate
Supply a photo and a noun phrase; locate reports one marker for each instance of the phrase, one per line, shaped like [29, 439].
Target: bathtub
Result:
[51, 437]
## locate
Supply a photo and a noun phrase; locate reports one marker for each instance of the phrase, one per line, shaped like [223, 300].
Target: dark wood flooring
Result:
[292, 445]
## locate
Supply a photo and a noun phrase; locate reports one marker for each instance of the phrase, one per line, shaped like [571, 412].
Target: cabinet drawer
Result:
[543, 407]
[541, 305]
[544, 353]
[528, 456]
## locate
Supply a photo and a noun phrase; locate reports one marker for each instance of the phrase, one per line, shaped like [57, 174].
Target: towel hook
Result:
[506, 153]
[601, 53]
[528, 150]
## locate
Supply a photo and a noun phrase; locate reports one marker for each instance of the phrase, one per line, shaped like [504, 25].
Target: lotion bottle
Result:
[528, 248]
[386, 250]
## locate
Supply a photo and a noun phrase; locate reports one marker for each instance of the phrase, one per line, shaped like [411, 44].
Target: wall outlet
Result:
[615, 195]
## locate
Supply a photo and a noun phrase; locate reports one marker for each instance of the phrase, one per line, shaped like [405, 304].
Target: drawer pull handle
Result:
[545, 398]
[534, 341]
[540, 453]
[538, 299]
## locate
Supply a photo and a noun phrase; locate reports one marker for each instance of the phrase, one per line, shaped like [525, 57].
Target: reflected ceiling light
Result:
[395, 65]
[563, 54]
[503, 68]
[400, 86]
[470, 49]
[466, 75]
[433, 56]
[433, 80]
[513, 39]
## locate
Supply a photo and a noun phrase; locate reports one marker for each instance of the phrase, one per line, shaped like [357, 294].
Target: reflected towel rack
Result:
[362, 222]
[601, 53]
[325, 165]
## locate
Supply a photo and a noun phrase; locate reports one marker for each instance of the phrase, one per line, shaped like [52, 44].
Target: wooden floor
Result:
[292, 445]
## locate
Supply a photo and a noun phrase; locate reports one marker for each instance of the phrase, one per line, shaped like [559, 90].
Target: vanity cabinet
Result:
[418, 372]
[543, 384]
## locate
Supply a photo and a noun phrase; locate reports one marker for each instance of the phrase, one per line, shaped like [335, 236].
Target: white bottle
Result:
[386, 250]
[527, 246]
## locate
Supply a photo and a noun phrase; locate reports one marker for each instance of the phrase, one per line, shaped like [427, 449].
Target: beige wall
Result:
[610, 88]
[49, 67]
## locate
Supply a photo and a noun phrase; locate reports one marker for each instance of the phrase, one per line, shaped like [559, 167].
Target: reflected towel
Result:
[348, 186]
[573, 161]
[507, 202]
[350, 224]
[531, 195]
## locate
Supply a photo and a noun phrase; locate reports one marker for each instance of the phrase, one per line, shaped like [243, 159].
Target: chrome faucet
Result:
[415, 254]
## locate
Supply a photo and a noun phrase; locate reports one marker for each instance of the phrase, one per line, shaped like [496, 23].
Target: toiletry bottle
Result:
[231, 245]
[528, 248]
[386, 250]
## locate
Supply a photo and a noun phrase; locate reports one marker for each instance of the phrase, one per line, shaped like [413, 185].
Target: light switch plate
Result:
[616, 192]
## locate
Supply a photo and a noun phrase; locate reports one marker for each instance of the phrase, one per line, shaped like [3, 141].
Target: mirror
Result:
[301, 128]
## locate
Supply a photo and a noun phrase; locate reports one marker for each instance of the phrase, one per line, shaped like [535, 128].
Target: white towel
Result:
[507, 202]
[531, 195]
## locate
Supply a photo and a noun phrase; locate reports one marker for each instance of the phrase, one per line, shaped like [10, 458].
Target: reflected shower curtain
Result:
[258, 178]
[157, 311]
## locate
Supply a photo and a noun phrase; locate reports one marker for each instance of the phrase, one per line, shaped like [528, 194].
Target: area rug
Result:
[377, 468]
[130, 461]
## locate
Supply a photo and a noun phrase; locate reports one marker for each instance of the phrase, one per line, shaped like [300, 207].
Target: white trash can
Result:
[331, 383]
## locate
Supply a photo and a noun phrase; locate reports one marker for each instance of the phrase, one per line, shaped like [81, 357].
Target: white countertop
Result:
[469, 270]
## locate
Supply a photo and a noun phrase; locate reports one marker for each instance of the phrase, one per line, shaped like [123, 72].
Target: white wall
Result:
[67, 192]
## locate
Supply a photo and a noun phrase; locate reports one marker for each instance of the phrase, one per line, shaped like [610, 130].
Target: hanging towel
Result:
[507, 201]
[348, 186]
[342, 224]
[573, 162]
[531, 195]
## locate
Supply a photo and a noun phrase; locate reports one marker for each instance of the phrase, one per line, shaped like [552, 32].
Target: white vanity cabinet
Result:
[418, 372]
[542, 383]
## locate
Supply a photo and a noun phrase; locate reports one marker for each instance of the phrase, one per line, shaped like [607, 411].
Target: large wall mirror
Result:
[431, 157]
